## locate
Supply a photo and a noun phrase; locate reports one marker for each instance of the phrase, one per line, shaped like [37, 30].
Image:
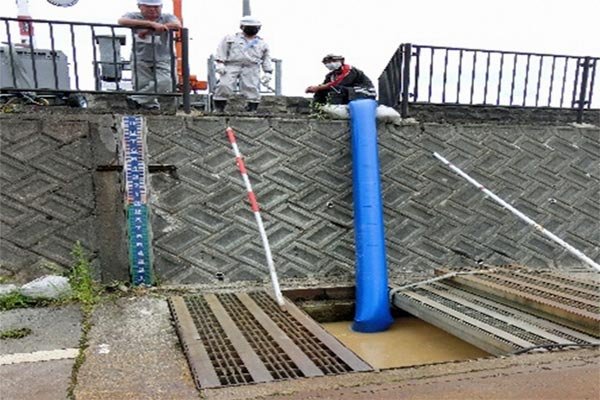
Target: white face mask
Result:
[332, 66]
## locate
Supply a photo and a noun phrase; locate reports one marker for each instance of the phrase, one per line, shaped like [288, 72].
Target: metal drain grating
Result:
[272, 356]
[239, 338]
[562, 332]
[322, 356]
[556, 296]
[496, 328]
[216, 350]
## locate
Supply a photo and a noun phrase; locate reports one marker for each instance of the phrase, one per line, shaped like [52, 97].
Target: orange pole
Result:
[178, 11]
[195, 84]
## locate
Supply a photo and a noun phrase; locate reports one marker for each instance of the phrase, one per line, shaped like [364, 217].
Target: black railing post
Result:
[407, 53]
[583, 90]
[389, 86]
[185, 61]
[173, 37]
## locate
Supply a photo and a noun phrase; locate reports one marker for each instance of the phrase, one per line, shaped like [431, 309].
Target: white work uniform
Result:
[243, 58]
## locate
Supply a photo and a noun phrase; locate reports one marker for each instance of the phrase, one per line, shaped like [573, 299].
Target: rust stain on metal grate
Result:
[239, 338]
[560, 297]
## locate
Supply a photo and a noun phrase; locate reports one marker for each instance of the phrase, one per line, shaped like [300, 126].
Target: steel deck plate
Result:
[557, 296]
[494, 327]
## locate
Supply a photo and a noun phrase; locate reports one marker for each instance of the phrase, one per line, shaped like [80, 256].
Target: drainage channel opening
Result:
[410, 341]
[502, 310]
[240, 338]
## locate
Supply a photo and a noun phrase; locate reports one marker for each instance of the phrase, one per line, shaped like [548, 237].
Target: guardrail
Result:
[79, 57]
[418, 74]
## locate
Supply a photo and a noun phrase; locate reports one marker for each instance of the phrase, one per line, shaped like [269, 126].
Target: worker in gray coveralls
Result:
[240, 57]
[152, 51]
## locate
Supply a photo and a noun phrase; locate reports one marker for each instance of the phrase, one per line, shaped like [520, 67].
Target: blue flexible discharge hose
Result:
[372, 303]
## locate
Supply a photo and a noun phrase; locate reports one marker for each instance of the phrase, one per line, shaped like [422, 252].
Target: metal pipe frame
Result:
[76, 63]
[531, 82]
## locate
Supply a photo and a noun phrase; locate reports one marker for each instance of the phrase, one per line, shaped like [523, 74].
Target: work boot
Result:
[251, 106]
[220, 105]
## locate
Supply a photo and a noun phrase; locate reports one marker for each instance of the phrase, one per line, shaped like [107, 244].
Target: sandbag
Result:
[383, 113]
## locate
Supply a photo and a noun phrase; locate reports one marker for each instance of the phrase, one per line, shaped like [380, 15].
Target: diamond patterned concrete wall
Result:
[51, 195]
[552, 174]
[46, 194]
[301, 172]
[202, 223]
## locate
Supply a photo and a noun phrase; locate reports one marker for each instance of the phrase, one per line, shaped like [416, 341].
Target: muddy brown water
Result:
[409, 341]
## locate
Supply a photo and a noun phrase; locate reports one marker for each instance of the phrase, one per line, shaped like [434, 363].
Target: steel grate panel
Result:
[546, 291]
[479, 334]
[483, 317]
[560, 289]
[580, 289]
[555, 296]
[591, 286]
[461, 306]
[567, 280]
[248, 338]
[278, 363]
[226, 362]
[550, 327]
[318, 353]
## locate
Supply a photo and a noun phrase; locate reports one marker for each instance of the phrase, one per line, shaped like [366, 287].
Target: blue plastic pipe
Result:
[372, 303]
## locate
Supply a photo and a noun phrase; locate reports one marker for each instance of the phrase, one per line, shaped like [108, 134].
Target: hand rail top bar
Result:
[76, 23]
[521, 53]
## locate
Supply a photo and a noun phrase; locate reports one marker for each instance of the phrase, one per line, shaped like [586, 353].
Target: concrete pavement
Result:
[39, 365]
[132, 352]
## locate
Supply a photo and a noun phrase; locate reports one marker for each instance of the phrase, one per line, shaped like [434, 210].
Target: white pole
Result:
[519, 214]
[256, 211]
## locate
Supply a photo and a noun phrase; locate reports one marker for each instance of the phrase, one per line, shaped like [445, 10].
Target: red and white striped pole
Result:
[25, 25]
[256, 210]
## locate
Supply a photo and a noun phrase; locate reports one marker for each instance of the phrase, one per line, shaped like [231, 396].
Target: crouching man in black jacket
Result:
[343, 84]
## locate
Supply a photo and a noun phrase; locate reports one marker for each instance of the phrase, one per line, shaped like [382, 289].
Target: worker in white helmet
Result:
[239, 59]
[153, 52]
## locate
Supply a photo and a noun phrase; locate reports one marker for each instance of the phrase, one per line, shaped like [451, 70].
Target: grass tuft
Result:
[17, 333]
[87, 293]
[14, 300]
[82, 284]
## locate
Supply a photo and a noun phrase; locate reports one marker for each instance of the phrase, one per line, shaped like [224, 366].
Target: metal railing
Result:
[91, 58]
[419, 74]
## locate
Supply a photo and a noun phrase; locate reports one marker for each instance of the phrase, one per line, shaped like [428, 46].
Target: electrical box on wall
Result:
[21, 71]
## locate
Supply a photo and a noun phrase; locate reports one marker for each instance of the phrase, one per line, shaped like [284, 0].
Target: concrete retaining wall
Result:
[61, 183]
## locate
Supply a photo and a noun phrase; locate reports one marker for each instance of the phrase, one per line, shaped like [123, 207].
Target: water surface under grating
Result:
[240, 338]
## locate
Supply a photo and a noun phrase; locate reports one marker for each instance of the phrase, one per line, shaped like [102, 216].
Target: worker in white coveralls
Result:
[153, 52]
[239, 59]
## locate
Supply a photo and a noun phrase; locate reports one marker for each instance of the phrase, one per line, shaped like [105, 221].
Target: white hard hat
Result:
[247, 20]
[150, 2]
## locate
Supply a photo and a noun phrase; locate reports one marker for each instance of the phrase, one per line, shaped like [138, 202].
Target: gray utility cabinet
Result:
[51, 69]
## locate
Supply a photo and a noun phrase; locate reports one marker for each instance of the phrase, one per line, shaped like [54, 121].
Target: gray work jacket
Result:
[146, 48]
